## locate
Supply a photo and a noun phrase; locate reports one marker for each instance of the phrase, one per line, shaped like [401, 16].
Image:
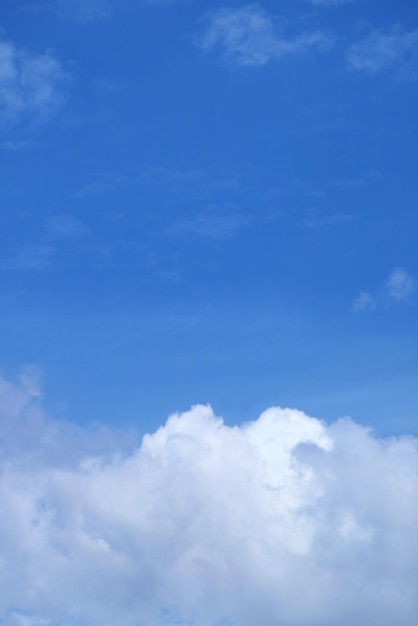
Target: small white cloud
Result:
[30, 84]
[247, 36]
[400, 284]
[396, 51]
[364, 301]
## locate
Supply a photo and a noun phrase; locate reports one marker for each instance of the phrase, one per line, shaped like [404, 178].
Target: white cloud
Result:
[400, 284]
[364, 301]
[247, 36]
[30, 84]
[396, 51]
[284, 520]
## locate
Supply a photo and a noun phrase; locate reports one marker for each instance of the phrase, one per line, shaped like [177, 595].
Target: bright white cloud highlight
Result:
[30, 84]
[284, 520]
[396, 51]
[247, 36]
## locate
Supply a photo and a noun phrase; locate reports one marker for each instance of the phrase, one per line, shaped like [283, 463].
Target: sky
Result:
[208, 210]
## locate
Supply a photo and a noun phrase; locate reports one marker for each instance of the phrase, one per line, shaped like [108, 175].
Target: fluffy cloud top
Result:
[247, 36]
[284, 520]
[30, 84]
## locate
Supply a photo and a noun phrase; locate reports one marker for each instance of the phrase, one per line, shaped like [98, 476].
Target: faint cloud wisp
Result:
[247, 36]
[395, 52]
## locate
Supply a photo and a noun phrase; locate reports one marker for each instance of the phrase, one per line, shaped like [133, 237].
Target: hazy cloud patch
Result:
[399, 286]
[396, 51]
[248, 36]
[364, 301]
[30, 85]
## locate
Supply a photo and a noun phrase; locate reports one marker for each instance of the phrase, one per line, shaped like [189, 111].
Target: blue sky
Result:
[208, 204]
[195, 196]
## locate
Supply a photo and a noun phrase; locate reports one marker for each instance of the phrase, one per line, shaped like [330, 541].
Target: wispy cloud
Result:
[30, 258]
[17, 145]
[209, 226]
[331, 2]
[80, 10]
[396, 51]
[324, 221]
[39, 255]
[30, 85]
[247, 36]
[85, 10]
[399, 286]
[204, 523]
[58, 226]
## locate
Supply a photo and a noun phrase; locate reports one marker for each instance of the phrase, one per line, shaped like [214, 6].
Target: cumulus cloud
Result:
[247, 36]
[283, 520]
[396, 51]
[30, 84]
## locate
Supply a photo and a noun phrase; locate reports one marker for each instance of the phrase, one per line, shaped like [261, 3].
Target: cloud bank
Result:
[284, 520]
